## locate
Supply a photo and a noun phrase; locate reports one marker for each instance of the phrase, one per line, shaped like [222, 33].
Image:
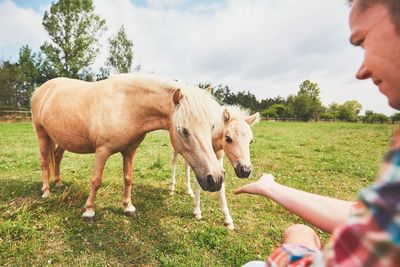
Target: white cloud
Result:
[266, 46]
[18, 27]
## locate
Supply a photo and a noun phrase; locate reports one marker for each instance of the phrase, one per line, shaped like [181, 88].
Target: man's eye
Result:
[228, 139]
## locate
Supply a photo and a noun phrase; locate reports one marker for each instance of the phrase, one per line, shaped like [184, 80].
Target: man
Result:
[365, 233]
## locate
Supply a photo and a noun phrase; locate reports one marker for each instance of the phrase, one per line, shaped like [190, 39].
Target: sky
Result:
[268, 47]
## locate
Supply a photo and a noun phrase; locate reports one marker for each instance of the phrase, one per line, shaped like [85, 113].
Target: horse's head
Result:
[237, 137]
[190, 134]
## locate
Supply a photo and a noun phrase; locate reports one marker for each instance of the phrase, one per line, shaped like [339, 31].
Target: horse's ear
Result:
[253, 119]
[209, 89]
[177, 96]
[226, 116]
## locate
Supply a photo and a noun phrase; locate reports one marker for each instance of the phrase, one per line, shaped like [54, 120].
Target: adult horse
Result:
[232, 137]
[114, 115]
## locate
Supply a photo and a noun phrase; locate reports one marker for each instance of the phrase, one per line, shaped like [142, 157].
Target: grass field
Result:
[334, 159]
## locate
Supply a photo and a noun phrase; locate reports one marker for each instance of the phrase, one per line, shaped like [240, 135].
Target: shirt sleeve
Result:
[371, 236]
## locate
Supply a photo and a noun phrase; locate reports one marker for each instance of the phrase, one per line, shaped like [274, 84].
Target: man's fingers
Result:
[238, 191]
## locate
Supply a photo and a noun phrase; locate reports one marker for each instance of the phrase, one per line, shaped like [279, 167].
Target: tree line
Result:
[306, 105]
[74, 32]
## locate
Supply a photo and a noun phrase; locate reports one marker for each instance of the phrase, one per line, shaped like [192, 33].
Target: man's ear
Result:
[253, 119]
[226, 116]
[177, 96]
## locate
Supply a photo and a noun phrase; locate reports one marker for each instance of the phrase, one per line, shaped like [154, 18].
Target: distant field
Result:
[334, 159]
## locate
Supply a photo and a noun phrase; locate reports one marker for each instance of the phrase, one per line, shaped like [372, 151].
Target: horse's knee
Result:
[96, 183]
[128, 181]
[44, 163]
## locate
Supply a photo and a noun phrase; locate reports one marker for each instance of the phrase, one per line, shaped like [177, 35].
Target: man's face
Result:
[375, 32]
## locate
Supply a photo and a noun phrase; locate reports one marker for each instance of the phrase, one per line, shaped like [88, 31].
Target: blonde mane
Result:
[237, 113]
[196, 106]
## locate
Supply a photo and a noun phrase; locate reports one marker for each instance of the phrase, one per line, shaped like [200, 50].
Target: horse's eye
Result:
[185, 132]
[228, 139]
[212, 127]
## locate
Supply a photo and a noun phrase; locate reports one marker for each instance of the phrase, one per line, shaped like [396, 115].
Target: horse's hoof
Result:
[197, 216]
[89, 220]
[171, 192]
[88, 216]
[190, 193]
[46, 194]
[129, 213]
[58, 184]
[230, 226]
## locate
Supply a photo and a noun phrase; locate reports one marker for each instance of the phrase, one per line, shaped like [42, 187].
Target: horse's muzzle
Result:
[243, 171]
[211, 183]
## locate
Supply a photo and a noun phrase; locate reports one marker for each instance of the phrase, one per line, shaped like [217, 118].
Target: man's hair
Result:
[393, 6]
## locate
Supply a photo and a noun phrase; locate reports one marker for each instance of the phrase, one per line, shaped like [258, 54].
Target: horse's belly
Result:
[80, 148]
[71, 140]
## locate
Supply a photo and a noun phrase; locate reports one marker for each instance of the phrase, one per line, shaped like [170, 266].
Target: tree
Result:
[29, 70]
[74, 30]
[371, 117]
[302, 107]
[12, 96]
[395, 117]
[333, 111]
[311, 89]
[274, 111]
[120, 52]
[307, 104]
[349, 110]
[247, 100]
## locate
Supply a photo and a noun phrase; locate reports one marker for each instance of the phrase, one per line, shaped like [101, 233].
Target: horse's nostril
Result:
[210, 179]
[242, 169]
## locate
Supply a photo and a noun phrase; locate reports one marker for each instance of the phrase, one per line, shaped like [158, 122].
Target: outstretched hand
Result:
[259, 187]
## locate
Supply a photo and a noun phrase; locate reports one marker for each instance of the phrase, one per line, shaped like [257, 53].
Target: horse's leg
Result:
[45, 148]
[128, 156]
[225, 210]
[172, 183]
[189, 190]
[58, 155]
[197, 210]
[100, 158]
[222, 198]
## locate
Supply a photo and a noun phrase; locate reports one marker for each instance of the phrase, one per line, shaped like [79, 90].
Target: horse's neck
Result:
[153, 109]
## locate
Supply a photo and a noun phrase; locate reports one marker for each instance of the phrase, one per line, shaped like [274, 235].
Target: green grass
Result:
[334, 159]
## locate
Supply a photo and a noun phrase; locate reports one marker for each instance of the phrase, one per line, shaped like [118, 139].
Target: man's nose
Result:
[363, 72]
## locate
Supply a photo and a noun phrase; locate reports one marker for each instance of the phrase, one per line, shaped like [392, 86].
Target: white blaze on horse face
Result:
[237, 138]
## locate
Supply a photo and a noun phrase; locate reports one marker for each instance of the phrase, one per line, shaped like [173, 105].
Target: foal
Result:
[231, 136]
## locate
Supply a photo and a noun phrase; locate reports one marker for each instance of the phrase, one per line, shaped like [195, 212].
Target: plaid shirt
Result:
[371, 236]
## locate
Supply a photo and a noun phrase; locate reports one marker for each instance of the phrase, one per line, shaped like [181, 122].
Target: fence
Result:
[15, 115]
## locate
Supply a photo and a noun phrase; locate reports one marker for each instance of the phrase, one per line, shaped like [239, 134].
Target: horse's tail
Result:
[52, 149]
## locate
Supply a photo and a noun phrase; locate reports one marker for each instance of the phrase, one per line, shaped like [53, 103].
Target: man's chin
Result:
[395, 104]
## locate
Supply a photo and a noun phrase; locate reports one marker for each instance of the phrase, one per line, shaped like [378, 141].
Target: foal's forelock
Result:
[235, 112]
